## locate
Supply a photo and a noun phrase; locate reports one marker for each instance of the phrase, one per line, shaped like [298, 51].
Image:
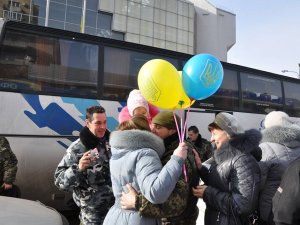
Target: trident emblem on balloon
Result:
[163, 86]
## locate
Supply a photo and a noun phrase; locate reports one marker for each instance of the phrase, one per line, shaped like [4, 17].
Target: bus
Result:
[48, 77]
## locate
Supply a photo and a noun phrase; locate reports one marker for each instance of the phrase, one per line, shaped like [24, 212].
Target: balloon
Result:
[184, 101]
[158, 81]
[202, 75]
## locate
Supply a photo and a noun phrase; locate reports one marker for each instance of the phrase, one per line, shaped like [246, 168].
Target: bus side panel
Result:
[37, 161]
[250, 120]
[39, 129]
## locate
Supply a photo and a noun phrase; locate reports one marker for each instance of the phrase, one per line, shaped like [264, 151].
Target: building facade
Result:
[188, 26]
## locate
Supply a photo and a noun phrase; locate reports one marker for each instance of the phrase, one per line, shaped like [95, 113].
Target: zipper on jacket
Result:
[218, 217]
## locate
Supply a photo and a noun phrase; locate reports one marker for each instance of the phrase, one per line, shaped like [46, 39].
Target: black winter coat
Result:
[233, 181]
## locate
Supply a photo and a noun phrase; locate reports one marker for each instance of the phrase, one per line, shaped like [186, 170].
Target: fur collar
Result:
[281, 134]
[242, 143]
[135, 140]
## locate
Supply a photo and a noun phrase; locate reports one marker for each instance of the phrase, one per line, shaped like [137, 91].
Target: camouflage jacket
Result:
[181, 206]
[203, 147]
[8, 163]
[92, 190]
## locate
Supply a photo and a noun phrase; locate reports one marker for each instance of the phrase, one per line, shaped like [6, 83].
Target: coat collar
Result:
[246, 142]
[89, 140]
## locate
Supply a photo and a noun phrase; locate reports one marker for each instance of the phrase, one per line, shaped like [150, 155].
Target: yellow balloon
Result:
[184, 100]
[158, 81]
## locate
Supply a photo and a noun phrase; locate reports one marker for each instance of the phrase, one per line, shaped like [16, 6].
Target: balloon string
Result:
[182, 136]
[185, 123]
[179, 134]
[181, 127]
[181, 140]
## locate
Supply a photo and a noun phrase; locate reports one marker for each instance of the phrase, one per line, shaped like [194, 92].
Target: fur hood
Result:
[135, 140]
[281, 134]
[247, 142]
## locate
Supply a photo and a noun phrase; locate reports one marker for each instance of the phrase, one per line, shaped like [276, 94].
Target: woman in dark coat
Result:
[280, 145]
[231, 183]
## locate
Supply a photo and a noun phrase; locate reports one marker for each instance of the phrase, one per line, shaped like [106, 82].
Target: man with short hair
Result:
[181, 206]
[85, 169]
[203, 146]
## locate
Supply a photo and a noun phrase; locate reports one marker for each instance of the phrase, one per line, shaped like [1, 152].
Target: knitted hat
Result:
[135, 100]
[228, 123]
[166, 119]
[278, 118]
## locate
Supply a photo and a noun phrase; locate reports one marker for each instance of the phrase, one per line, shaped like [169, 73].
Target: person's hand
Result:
[7, 186]
[85, 161]
[181, 150]
[197, 159]
[128, 199]
[199, 191]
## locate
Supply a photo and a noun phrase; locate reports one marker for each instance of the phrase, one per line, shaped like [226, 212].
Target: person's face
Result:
[219, 137]
[98, 124]
[140, 111]
[193, 136]
[161, 132]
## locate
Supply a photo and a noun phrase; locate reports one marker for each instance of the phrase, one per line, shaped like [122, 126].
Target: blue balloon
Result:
[202, 75]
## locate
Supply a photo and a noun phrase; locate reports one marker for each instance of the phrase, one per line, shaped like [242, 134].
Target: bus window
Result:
[121, 68]
[292, 98]
[260, 94]
[50, 65]
[226, 97]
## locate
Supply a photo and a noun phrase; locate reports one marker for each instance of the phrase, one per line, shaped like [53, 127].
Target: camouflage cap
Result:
[166, 119]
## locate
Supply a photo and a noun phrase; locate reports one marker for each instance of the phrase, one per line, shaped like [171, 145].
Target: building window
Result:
[117, 35]
[104, 21]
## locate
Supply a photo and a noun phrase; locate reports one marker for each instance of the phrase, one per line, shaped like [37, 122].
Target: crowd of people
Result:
[144, 173]
[149, 176]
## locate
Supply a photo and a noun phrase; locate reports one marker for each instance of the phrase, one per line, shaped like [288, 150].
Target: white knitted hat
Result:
[135, 100]
[278, 118]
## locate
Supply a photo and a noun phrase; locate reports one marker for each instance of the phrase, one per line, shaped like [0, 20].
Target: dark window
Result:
[77, 3]
[90, 30]
[37, 63]
[73, 15]
[292, 98]
[56, 24]
[60, 1]
[57, 11]
[117, 35]
[226, 97]
[104, 21]
[72, 27]
[92, 4]
[121, 68]
[39, 21]
[260, 94]
[39, 8]
[90, 18]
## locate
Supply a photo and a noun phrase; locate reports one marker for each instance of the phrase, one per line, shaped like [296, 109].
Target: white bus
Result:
[48, 77]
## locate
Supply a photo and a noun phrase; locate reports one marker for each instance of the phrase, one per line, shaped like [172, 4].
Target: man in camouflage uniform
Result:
[8, 165]
[203, 147]
[85, 169]
[181, 207]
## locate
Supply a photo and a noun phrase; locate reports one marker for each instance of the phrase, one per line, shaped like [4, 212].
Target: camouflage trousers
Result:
[91, 218]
